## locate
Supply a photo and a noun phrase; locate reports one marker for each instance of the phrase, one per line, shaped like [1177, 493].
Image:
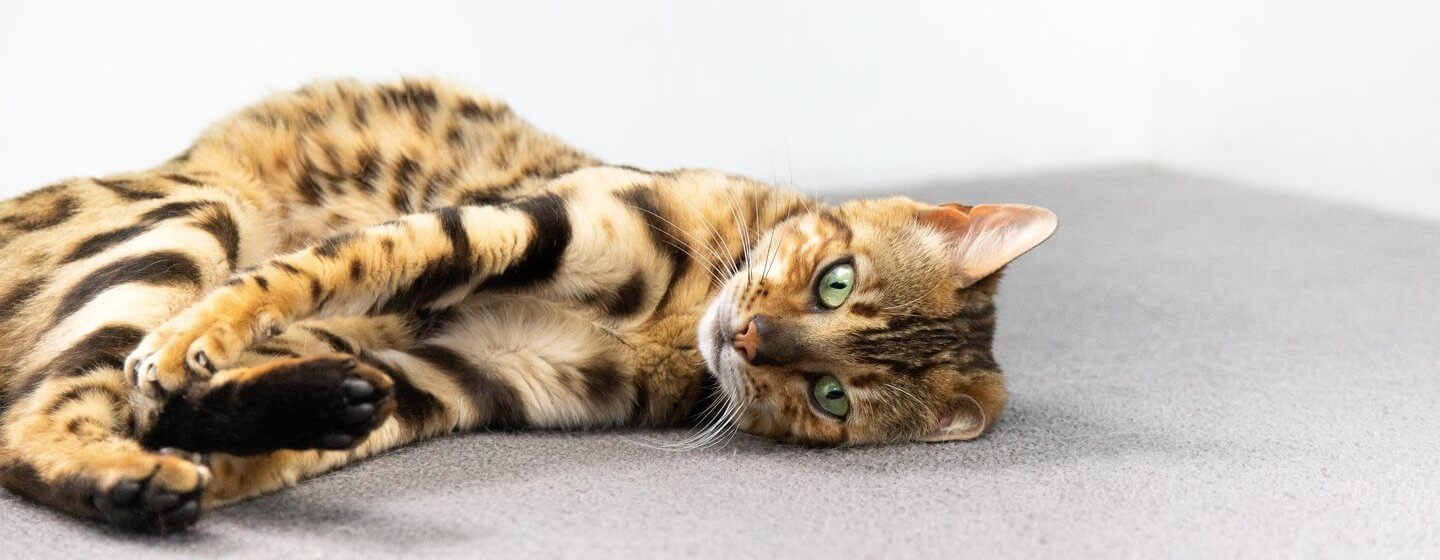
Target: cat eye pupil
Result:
[829, 395]
[835, 284]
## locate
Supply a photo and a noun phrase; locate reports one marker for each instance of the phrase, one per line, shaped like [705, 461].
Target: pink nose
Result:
[747, 340]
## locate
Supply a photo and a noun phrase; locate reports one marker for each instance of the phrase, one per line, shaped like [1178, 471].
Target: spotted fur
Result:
[346, 268]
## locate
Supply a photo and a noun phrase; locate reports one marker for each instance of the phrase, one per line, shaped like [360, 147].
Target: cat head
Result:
[869, 322]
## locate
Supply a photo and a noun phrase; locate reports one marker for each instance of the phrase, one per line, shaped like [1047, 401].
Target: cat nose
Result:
[767, 341]
[747, 340]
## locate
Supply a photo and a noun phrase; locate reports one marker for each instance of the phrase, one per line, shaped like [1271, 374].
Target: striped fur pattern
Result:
[347, 268]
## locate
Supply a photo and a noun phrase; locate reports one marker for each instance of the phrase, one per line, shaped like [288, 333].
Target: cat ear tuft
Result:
[964, 421]
[986, 237]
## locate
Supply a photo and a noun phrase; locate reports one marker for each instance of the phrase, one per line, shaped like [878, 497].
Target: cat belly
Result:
[565, 370]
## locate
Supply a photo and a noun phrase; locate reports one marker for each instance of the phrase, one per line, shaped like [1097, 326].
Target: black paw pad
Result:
[147, 505]
[317, 403]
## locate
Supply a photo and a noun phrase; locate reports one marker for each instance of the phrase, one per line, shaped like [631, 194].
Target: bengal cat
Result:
[347, 268]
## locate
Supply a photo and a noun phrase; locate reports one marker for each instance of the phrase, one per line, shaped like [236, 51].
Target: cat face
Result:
[868, 322]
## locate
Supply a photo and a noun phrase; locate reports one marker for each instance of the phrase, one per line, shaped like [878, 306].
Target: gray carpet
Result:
[1196, 370]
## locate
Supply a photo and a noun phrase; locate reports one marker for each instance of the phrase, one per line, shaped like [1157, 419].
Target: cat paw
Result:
[149, 492]
[194, 345]
[326, 402]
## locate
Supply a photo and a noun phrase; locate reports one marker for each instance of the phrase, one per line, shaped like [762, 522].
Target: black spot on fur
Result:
[484, 390]
[541, 259]
[333, 244]
[418, 98]
[404, 173]
[317, 292]
[604, 380]
[165, 268]
[262, 283]
[474, 111]
[627, 300]
[309, 189]
[287, 267]
[369, 170]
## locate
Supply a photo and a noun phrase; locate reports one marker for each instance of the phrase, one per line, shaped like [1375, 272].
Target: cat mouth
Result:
[718, 342]
[713, 340]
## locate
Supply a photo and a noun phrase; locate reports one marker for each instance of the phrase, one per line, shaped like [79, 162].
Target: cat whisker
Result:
[715, 271]
[740, 225]
[718, 237]
[715, 274]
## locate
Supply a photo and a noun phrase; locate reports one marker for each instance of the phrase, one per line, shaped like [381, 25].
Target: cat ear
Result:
[986, 237]
[964, 421]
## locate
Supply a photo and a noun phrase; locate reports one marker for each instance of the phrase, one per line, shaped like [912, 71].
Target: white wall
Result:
[1339, 99]
[833, 93]
[1330, 97]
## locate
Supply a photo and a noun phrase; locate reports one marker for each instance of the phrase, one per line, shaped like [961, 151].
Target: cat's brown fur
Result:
[347, 268]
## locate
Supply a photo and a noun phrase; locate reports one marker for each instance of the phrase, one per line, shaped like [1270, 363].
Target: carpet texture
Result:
[1196, 370]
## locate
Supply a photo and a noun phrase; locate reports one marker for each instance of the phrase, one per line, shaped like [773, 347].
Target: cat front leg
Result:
[579, 249]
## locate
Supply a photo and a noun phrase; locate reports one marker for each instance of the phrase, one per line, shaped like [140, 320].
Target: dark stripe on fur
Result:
[412, 405]
[332, 340]
[163, 268]
[99, 242]
[486, 392]
[662, 236]
[332, 245]
[627, 299]
[184, 180]
[75, 394]
[176, 210]
[126, 189]
[541, 259]
[441, 276]
[221, 225]
[20, 295]
[60, 212]
[105, 347]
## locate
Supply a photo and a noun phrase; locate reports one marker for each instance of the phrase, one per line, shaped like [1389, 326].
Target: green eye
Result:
[835, 285]
[829, 395]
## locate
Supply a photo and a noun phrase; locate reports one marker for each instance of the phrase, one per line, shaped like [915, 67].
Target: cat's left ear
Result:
[964, 421]
[986, 237]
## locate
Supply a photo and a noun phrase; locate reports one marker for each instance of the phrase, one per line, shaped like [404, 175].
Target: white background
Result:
[1337, 99]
